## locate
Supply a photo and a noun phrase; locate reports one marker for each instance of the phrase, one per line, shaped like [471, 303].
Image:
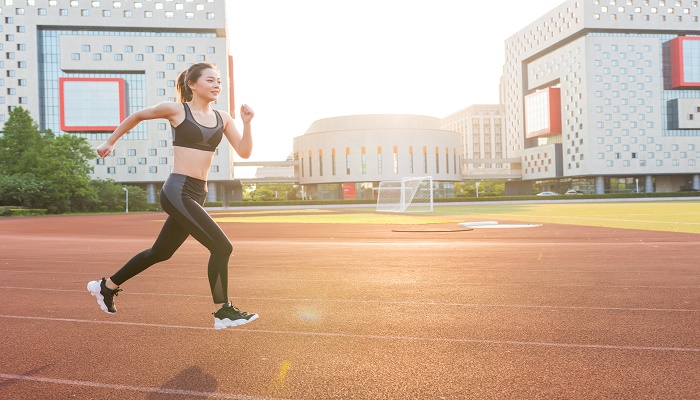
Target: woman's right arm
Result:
[165, 110]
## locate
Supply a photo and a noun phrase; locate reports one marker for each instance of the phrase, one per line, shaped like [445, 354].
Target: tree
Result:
[21, 143]
[24, 190]
[112, 197]
[64, 162]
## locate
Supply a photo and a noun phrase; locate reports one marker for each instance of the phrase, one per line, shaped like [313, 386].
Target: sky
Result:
[299, 61]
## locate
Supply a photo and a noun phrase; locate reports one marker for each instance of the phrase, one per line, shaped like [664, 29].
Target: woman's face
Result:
[207, 86]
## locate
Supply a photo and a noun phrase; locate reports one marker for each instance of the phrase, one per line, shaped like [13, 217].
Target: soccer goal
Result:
[406, 195]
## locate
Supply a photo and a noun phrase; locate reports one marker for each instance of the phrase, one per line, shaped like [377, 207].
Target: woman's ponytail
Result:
[183, 90]
[190, 75]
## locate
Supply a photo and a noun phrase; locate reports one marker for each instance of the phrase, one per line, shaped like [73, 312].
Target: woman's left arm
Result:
[242, 143]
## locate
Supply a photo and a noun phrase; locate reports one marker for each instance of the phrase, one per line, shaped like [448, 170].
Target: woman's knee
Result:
[223, 249]
[159, 255]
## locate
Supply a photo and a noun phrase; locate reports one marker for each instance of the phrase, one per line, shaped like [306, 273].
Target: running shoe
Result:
[228, 315]
[104, 295]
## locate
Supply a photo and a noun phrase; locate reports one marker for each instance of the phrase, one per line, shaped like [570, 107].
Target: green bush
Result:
[19, 212]
[213, 204]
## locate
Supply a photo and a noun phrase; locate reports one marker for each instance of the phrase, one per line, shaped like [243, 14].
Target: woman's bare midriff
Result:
[192, 162]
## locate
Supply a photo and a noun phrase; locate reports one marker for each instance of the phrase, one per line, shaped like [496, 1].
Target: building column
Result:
[212, 195]
[151, 193]
[599, 185]
[696, 182]
[649, 184]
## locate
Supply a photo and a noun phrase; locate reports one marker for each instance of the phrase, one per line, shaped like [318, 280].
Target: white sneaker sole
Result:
[227, 323]
[94, 289]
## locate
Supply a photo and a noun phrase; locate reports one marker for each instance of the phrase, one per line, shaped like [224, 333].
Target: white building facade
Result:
[346, 157]
[81, 66]
[483, 142]
[604, 96]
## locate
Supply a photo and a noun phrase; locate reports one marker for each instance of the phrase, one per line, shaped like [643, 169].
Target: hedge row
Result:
[17, 211]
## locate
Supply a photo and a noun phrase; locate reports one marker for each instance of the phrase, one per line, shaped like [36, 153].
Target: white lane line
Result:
[99, 385]
[374, 337]
[374, 268]
[408, 303]
[377, 281]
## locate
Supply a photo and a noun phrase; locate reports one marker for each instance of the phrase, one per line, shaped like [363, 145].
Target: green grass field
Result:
[671, 216]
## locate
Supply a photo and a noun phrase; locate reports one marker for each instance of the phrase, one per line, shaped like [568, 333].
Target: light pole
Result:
[127, 199]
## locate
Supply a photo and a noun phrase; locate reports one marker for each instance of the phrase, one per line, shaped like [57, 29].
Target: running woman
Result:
[197, 130]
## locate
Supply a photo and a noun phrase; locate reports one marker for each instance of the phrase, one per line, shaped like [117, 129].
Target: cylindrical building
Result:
[346, 157]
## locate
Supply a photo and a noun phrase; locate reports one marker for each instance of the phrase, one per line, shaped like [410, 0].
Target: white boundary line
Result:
[415, 282]
[178, 392]
[376, 337]
[408, 303]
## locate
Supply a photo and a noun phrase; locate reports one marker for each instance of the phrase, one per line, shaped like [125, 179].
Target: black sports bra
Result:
[192, 134]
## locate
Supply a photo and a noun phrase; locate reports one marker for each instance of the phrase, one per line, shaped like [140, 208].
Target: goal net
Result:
[406, 195]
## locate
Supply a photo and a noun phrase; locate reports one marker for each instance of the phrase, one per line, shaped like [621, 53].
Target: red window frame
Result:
[677, 74]
[122, 104]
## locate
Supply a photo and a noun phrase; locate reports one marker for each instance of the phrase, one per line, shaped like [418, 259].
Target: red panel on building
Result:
[678, 61]
[91, 104]
[349, 191]
[543, 112]
[231, 98]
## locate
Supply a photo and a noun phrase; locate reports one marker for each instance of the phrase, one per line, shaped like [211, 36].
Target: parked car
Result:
[573, 191]
[548, 194]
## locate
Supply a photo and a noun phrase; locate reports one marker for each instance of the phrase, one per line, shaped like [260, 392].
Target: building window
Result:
[153, 170]
[86, 48]
[437, 161]
[128, 49]
[410, 160]
[152, 152]
[210, 15]
[131, 152]
[425, 160]
[110, 170]
[97, 56]
[132, 170]
[333, 163]
[320, 163]
[143, 161]
[163, 160]
[169, 49]
[138, 57]
[396, 161]
[127, 14]
[100, 161]
[118, 57]
[106, 13]
[347, 161]
[75, 56]
[211, 50]
[149, 49]
[311, 171]
[163, 143]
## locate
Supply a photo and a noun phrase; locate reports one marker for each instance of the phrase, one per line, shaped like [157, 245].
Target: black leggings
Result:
[182, 198]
